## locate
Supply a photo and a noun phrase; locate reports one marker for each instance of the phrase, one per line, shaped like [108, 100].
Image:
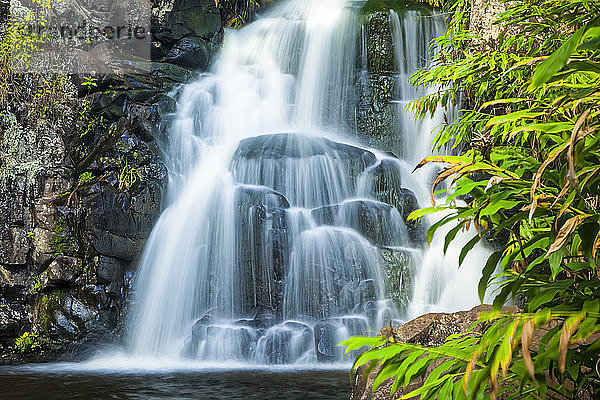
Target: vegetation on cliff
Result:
[528, 166]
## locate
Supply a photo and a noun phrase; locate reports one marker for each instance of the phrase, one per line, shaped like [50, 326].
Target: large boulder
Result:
[378, 222]
[190, 52]
[190, 18]
[426, 330]
[310, 171]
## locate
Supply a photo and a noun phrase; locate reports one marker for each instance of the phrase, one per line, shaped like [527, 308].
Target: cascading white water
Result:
[270, 247]
[440, 285]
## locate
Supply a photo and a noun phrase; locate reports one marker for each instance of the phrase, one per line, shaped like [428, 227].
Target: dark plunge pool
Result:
[52, 382]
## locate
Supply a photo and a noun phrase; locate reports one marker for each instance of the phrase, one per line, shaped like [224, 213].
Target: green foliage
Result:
[529, 163]
[85, 177]
[62, 242]
[89, 82]
[128, 177]
[37, 285]
[238, 12]
[498, 362]
[28, 342]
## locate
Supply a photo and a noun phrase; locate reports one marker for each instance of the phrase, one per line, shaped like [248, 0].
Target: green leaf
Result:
[385, 373]
[585, 66]
[356, 342]
[433, 228]
[515, 116]
[446, 391]
[377, 354]
[470, 244]
[496, 206]
[559, 58]
[542, 298]
[593, 44]
[415, 368]
[421, 212]
[452, 234]
[555, 260]
[488, 270]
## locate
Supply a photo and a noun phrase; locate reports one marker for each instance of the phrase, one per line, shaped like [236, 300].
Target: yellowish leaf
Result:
[538, 176]
[526, 336]
[575, 137]
[563, 235]
[565, 337]
[508, 342]
[494, 180]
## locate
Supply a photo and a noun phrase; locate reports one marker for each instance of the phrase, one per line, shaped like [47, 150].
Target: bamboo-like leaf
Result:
[385, 373]
[443, 159]
[506, 348]
[526, 336]
[428, 386]
[565, 232]
[421, 212]
[488, 270]
[538, 176]
[596, 246]
[502, 101]
[553, 127]
[357, 342]
[557, 60]
[494, 180]
[555, 261]
[469, 370]
[496, 206]
[571, 175]
[562, 193]
[445, 173]
[543, 297]
[569, 327]
[515, 116]
[467, 247]
[452, 234]
[593, 44]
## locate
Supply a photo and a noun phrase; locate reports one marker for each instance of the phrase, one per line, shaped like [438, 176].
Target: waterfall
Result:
[440, 284]
[280, 228]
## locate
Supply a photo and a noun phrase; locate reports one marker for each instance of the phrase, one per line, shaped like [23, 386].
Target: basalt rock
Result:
[378, 222]
[275, 161]
[262, 246]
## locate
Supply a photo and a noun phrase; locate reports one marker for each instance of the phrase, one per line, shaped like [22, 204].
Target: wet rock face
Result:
[378, 222]
[262, 246]
[376, 86]
[380, 45]
[76, 209]
[288, 162]
[287, 145]
[399, 277]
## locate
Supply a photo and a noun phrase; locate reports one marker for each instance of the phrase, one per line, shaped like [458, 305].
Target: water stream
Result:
[282, 234]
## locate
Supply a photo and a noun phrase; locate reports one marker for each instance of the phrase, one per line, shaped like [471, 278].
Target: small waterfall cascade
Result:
[281, 235]
[439, 283]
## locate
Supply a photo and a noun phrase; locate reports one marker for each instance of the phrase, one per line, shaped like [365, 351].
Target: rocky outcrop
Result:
[426, 330]
[483, 14]
[80, 184]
